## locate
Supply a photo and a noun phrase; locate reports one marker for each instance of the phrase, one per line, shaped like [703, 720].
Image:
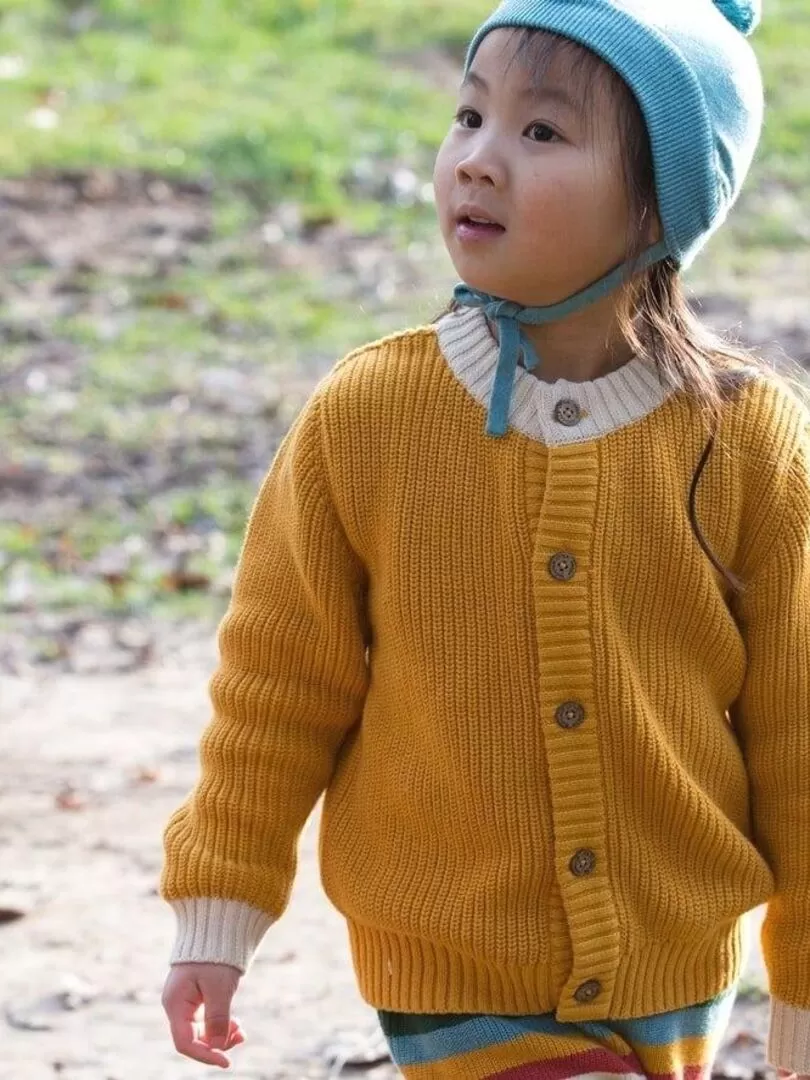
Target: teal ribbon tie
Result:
[508, 316]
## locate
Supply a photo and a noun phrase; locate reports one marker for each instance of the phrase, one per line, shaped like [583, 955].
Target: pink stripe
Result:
[562, 1068]
[590, 1061]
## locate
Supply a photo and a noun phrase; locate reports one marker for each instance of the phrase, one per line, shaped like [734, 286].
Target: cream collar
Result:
[605, 404]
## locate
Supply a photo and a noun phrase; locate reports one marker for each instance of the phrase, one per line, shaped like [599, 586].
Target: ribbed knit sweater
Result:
[560, 758]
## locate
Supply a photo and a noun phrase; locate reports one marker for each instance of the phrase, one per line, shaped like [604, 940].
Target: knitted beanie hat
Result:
[698, 84]
[697, 81]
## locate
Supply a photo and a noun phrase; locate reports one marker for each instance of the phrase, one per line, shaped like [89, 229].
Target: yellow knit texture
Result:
[534, 784]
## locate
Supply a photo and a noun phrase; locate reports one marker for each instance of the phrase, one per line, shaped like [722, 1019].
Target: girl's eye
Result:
[541, 133]
[468, 118]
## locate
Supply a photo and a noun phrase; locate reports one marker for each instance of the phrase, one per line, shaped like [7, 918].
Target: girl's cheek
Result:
[442, 182]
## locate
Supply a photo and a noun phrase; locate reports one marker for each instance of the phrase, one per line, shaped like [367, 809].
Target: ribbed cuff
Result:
[789, 1037]
[213, 931]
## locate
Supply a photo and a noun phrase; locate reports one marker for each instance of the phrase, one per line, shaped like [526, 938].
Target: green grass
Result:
[287, 100]
[783, 45]
[281, 103]
[284, 98]
[774, 211]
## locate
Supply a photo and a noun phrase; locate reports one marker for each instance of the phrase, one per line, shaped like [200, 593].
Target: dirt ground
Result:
[92, 766]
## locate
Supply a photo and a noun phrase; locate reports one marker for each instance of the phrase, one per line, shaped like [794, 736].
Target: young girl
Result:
[526, 593]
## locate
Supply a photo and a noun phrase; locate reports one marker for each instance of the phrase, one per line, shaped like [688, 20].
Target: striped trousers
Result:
[677, 1045]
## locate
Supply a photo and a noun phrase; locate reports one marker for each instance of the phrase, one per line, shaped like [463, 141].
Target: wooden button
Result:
[562, 566]
[583, 862]
[567, 412]
[570, 714]
[587, 991]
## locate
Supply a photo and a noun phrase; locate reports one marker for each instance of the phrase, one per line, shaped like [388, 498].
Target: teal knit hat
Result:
[698, 84]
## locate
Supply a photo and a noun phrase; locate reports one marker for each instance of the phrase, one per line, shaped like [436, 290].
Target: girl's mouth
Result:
[472, 229]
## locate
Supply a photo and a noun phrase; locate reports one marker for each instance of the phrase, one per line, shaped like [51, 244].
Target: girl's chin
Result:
[476, 275]
[481, 273]
[482, 279]
[484, 283]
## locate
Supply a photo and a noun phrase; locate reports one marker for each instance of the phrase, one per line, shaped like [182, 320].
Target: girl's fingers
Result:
[198, 1050]
[187, 1041]
[197, 1003]
[235, 1039]
[235, 1036]
[189, 1036]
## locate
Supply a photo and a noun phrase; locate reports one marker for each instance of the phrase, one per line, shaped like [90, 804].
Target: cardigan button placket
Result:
[566, 639]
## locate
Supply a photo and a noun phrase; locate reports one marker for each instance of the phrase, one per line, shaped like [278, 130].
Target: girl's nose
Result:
[480, 165]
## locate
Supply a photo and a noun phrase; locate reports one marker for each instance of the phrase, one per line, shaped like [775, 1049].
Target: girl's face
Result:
[542, 169]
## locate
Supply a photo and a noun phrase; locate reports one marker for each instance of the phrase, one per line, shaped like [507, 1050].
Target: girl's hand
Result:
[785, 1074]
[190, 987]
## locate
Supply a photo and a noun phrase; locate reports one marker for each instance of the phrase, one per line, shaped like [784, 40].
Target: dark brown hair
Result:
[655, 317]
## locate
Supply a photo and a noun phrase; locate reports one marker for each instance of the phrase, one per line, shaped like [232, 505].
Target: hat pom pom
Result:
[743, 14]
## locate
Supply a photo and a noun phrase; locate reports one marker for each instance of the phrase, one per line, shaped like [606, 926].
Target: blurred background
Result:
[203, 204]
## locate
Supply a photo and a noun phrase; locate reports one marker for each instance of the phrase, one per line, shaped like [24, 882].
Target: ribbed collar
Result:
[606, 404]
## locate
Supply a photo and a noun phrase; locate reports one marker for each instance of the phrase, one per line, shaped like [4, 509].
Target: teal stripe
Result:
[694, 1021]
[418, 1039]
[472, 1033]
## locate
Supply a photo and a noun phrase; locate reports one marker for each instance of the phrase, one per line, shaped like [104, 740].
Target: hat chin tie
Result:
[513, 343]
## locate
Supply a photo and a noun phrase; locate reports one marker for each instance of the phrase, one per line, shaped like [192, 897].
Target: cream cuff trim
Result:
[214, 931]
[789, 1037]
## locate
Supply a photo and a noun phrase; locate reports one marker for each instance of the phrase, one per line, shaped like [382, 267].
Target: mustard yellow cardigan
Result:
[560, 758]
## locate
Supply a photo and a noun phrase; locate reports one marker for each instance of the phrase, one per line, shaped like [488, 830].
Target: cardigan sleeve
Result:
[772, 719]
[290, 683]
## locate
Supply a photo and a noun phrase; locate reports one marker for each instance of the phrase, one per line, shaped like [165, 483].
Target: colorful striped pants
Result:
[678, 1045]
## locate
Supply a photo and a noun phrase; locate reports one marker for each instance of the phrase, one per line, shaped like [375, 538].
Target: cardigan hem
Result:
[399, 973]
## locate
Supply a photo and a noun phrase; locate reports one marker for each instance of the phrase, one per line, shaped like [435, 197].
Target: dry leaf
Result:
[182, 581]
[69, 799]
[745, 1038]
[147, 775]
[169, 300]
